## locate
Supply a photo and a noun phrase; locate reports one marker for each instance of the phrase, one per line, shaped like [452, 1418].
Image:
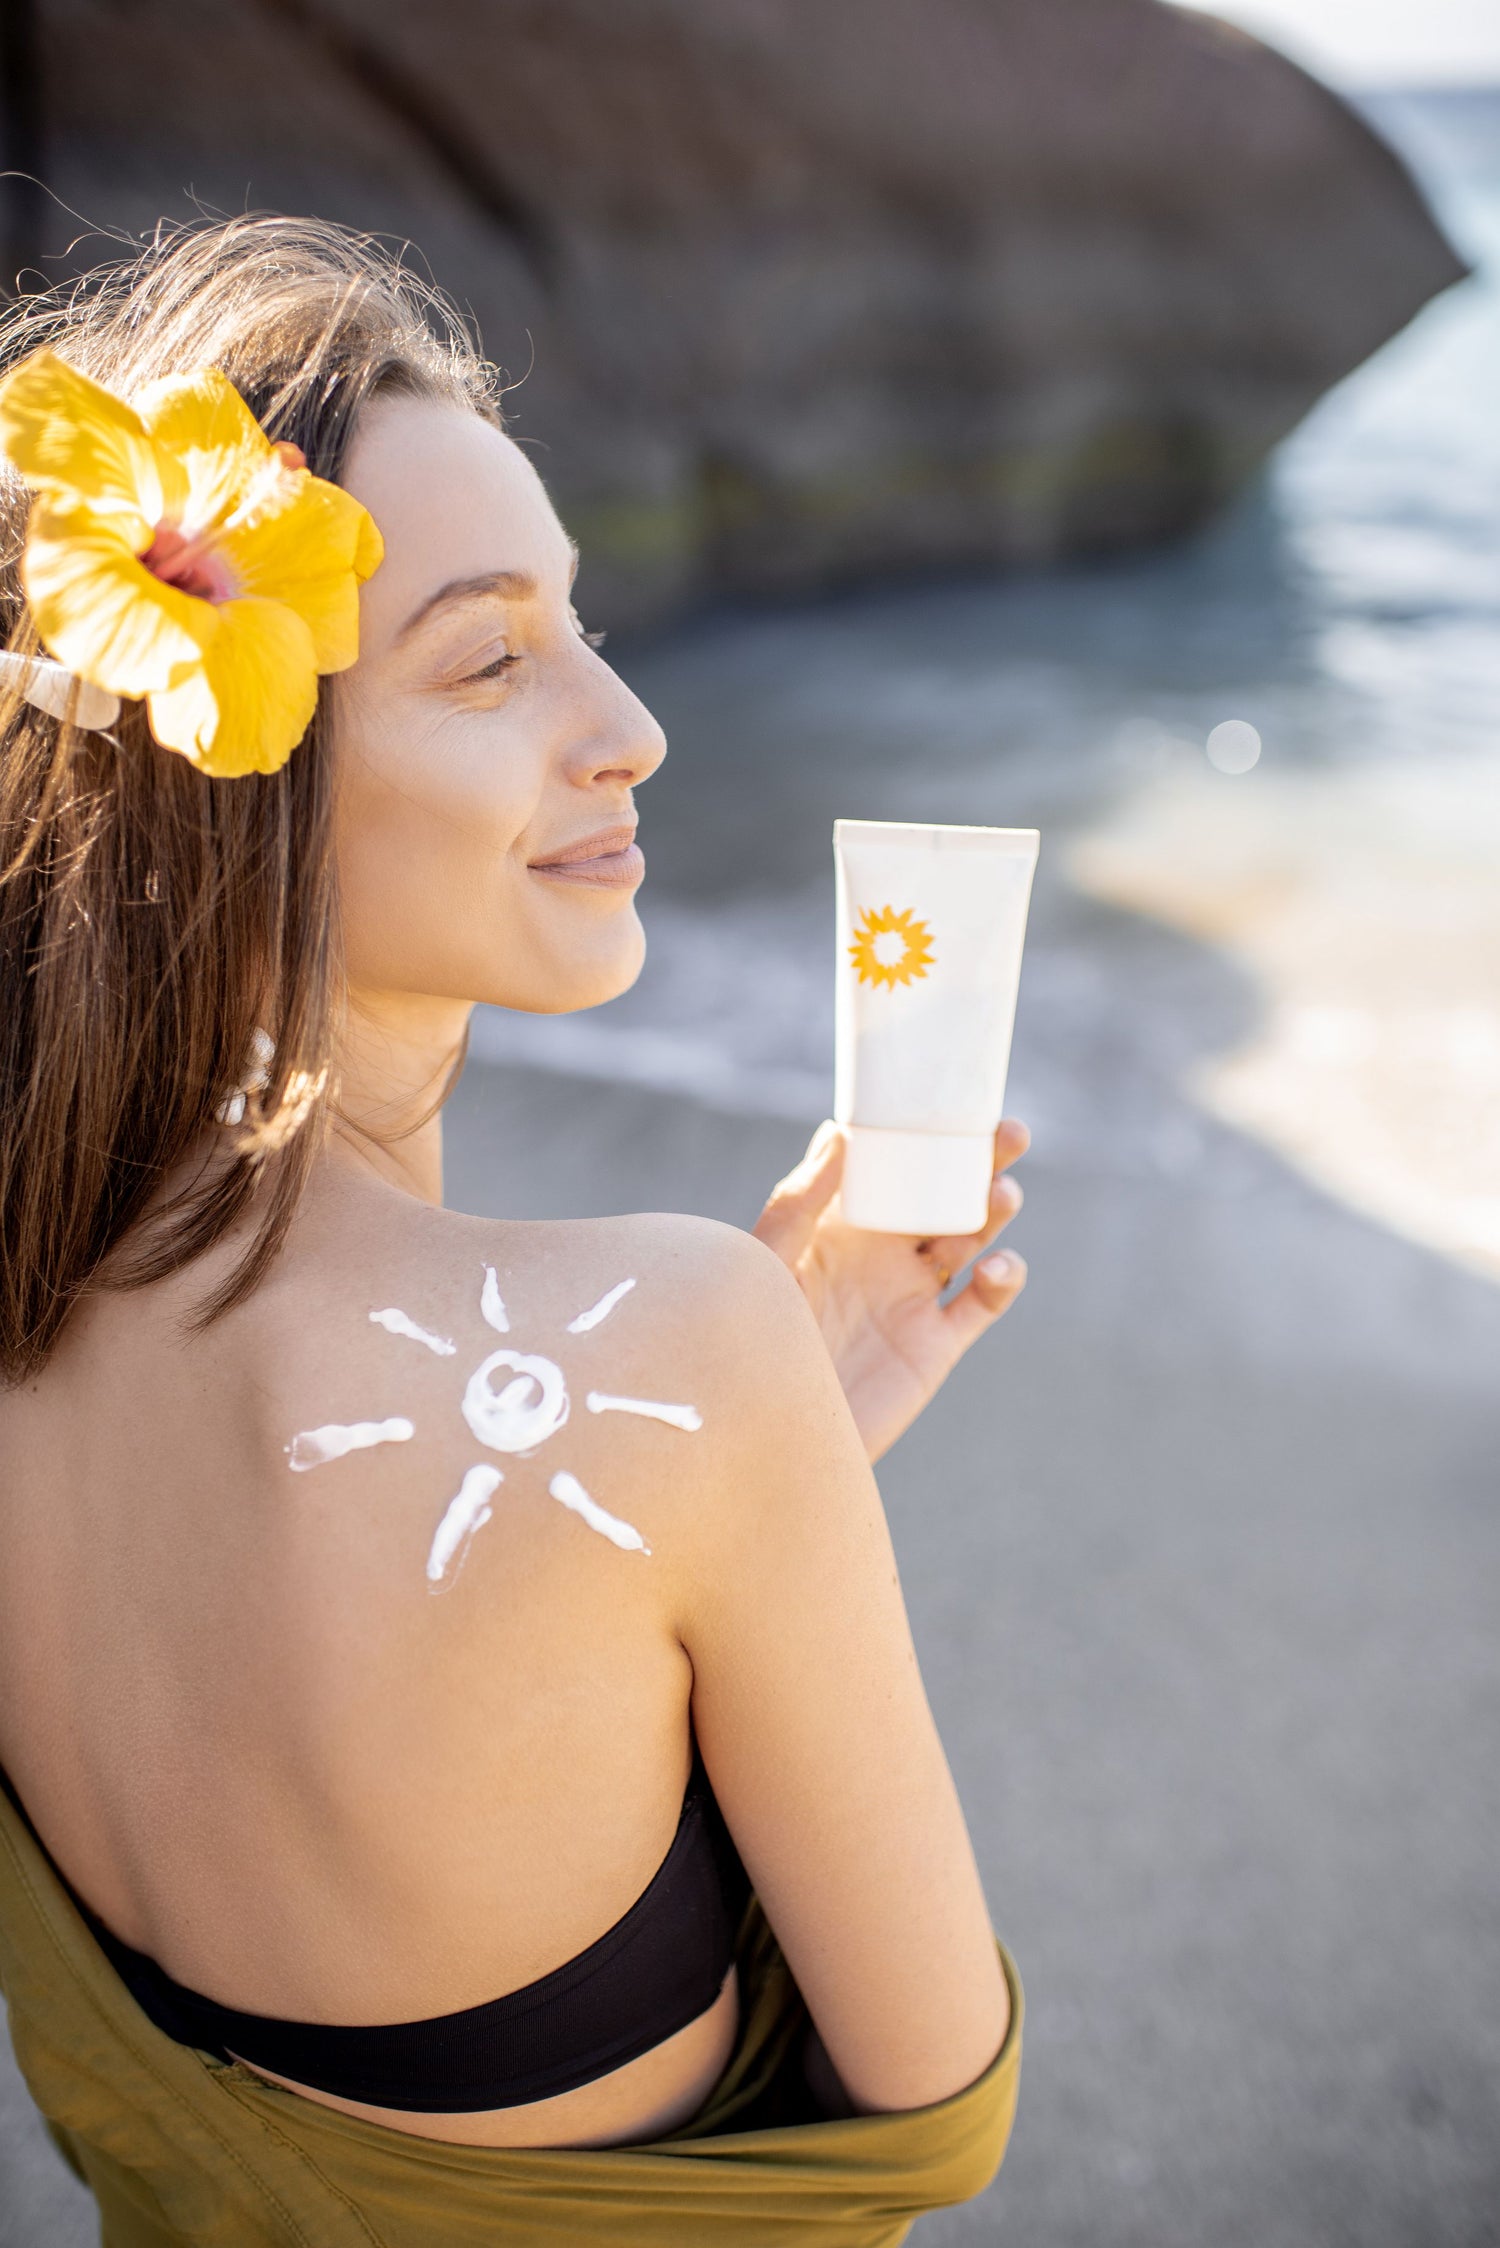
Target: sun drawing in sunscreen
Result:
[513, 1416]
[571, 1492]
[467, 1513]
[675, 1416]
[601, 1310]
[890, 948]
[396, 1323]
[526, 1412]
[491, 1307]
[315, 1447]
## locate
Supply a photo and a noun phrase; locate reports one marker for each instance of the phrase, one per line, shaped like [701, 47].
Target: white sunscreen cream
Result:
[491, 1306]
[396, 1323]
[931, 922]
[315, 1447]
[526, 1412]
[572, 1494]
[675, 1416]
[600, 1310]
[467, 1513]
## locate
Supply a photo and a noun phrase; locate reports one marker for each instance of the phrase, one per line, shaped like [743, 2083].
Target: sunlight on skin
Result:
[1364, 906]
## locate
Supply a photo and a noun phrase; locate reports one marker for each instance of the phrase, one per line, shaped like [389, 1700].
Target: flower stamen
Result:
[189, 561]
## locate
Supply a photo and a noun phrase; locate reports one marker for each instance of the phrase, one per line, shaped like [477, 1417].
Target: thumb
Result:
[790, 1218]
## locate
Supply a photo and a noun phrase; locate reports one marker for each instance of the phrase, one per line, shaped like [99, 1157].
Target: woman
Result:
[402, 1611]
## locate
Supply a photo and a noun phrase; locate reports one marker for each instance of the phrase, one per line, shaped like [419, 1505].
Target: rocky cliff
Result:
[800, 289]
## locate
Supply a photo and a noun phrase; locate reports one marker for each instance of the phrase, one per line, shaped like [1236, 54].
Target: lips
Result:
[610, 859]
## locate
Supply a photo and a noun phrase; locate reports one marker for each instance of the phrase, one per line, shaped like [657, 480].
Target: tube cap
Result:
[916, 1182]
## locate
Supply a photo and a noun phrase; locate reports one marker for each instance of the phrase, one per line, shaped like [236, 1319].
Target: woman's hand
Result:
[876, 1295]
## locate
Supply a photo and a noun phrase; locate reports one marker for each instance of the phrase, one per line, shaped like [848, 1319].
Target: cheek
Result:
[427, 827]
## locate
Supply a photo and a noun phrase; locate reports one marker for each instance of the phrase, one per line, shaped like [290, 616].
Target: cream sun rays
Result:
[515, 1419]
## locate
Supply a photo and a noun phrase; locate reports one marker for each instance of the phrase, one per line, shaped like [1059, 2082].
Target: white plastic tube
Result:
[931, 922]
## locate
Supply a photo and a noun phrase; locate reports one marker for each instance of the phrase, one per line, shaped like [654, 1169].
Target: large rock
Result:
[801, 289]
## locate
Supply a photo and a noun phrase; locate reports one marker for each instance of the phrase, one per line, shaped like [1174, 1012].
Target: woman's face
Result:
[485, 753]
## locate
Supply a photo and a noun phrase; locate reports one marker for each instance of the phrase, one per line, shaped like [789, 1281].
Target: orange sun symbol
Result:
[884, 932]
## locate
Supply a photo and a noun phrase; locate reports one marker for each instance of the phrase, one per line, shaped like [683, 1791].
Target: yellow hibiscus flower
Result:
[174, 552]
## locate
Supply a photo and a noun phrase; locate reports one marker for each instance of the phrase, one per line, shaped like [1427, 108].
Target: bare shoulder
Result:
[655, 1297]
[671, 1328]
[625, 1367]
[695, 1270]
[660, 1273]
[689, 1329]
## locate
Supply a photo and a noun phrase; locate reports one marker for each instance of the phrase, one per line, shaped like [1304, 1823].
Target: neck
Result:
[395, 1057]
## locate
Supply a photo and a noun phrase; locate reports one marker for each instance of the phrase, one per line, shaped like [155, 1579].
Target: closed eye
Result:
[495, 670]
[502, 663]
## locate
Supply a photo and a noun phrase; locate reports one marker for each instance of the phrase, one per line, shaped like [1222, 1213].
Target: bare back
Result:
[336, 1735]
[262, 1741]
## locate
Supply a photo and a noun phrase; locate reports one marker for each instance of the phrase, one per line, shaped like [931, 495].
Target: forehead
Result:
[453, 497]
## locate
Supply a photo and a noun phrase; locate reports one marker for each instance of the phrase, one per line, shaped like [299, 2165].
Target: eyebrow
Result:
[508, 585]
[504, 585]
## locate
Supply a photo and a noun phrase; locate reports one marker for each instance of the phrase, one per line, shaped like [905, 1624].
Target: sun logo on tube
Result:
[890, 948]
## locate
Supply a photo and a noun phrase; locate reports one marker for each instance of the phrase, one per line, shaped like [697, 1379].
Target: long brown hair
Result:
[153, 918]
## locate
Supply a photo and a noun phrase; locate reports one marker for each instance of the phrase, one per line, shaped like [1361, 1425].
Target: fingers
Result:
[1011, 1142]
[790, 1218]
[993, 1287]
[949, 1251]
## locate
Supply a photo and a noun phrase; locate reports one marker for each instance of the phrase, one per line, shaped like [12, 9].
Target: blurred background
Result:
[1078, 413]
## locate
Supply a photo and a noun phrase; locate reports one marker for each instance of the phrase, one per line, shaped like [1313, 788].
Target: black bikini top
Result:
[652, 1973]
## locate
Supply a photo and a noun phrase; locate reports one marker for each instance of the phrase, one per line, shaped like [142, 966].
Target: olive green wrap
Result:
[182, 2151]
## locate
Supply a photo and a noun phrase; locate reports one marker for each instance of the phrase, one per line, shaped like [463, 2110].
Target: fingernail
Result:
[1002, 1266]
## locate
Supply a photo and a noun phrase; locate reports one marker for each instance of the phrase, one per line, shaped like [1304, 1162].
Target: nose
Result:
[623, 743]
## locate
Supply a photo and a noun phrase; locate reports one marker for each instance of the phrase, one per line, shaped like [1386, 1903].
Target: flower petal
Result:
[244, 705]
[307, 553]
[203, 423]
[369, 547]
[69, 436]
[98, 610]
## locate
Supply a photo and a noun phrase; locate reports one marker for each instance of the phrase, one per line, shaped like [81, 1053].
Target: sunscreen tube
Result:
[931, 921]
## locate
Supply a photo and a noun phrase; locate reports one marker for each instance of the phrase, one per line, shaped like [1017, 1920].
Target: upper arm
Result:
[811, 1713]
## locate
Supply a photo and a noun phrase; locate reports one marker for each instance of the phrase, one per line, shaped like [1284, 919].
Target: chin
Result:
[611, 982]
[568, 986]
